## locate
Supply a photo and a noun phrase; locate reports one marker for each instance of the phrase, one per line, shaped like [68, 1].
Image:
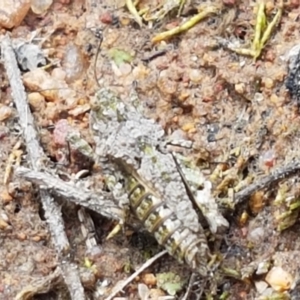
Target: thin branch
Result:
[36, 155]
[194, 282]
[265, 182]
[119, 287]
[98, 202]
[190, 286]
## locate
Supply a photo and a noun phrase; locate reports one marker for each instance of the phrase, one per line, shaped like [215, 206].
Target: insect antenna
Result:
[189, 191]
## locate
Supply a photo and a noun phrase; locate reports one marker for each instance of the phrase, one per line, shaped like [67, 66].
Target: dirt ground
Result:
[236, 109]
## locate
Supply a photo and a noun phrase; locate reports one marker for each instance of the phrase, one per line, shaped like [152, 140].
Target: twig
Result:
[190, 286]
[192, 283]
[119, 287]
[98, 202]
[36, 155]
[267, 181]
[154, 55]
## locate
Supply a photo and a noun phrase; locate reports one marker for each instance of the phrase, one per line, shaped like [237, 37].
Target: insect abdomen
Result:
[181, 242]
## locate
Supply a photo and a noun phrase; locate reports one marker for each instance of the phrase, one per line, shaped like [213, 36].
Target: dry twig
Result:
[267, 181]
[189, 287]
[119, 287]
[36, 155]
[97, 202]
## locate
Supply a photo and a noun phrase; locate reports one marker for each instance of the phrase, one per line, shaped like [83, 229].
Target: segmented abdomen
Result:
[181, 242]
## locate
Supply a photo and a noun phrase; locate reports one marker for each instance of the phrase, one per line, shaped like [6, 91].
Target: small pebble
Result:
[195, 75]
[279, 279]
[59, 73]
[3, 224]
[4, 216]
[268, 83]
[240, 88]
[258, 97]
[5, 197]
[78, 110]
[269, 6]
[87, 277]
[36, 238]
[125, 69]
[21, 236]
[13, 12]
[73, 62]
[274, 98]
[40, 6]
[167, 86]
[157, 294]
[262, 267]
[106, 18]
[256, 235]
[5, 112]
[260, 286]
[149, 279]
[36, 101]
[188, 127]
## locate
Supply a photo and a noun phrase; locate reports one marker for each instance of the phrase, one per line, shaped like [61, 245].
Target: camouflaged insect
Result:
[154, 188]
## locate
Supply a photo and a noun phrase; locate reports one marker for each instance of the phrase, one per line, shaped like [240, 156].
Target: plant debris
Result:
[202, 14]
[262, 31]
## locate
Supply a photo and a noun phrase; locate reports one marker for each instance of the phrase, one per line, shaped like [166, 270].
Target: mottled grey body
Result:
[155, 190]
